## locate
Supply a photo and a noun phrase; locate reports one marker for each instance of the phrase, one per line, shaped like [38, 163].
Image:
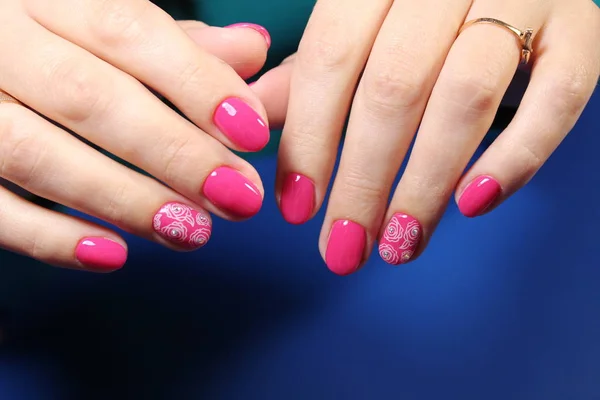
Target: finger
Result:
[331, 56]
[386, 112]
[460, 111]
[57, 239]
[32, 156]
[564, 76]
[117, 113]
[273, 89]
[145, 42]
[243, 49]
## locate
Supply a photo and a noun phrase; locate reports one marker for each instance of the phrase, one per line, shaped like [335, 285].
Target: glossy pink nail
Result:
[297, 199]
[400, 239]
[232, 192]
[182, 225]
[478, 196]
[258, 28]
[240, 123]
[101, 254]
[345, 247]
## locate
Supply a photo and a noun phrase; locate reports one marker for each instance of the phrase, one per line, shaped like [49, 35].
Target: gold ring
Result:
[7, 98]
[525, 37]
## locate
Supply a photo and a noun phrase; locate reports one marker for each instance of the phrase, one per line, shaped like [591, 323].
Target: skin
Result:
[92, 75]
[397, 66]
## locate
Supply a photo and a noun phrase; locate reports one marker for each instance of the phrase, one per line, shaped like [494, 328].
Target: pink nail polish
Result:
[345, 247]
[182, 225]
[240, 123]
[100, 254]
[232, 192]
[258, 28]
[478, 196]
[400, 239]
[297, 199]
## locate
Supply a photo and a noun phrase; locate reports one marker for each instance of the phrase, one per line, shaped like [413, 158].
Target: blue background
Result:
[502, 307]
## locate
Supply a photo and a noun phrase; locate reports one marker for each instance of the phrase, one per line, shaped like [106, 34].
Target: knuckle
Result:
[175, 154]
[115, 211]
[21, 153]
[392, 88]
[330, 51]
[117, 23]
[572, 90]
[77, 89]
[474, 94]
[359, 188]
[533, 160]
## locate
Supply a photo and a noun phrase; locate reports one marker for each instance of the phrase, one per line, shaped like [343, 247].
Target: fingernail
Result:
[232, 192]
[240, 123]
[101, 254]
[400, 239]
[479, 196]
[182, 225]
[297, 199]
[345, 247]
[260, 29]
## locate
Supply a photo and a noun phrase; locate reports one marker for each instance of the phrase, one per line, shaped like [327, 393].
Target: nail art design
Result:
[101, 254]
[297, 199]
[345, 247]
[478, 196]
[400, 239]
[241, 124]
[182, 225]
[232, 192]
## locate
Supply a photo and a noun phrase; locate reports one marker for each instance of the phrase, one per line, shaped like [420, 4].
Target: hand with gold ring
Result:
[89, 67]
[437, 67]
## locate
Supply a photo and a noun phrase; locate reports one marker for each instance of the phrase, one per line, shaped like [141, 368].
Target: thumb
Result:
[243, 48]
[273, 89]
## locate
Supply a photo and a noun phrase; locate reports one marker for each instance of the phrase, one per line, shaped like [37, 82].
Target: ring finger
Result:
[475, 76]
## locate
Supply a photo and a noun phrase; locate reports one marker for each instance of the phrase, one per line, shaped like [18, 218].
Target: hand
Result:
[85, 65]
[401, 66]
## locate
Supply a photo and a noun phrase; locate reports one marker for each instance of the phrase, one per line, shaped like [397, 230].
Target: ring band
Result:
[525, 37]
[7, 98]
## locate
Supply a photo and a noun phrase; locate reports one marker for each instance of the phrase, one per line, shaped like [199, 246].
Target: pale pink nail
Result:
[101, 254]
[183, 225]
[400, 239]
[345, 247]
[478, 196]
[258, 28]
[232, 192]
[297, 199]
[240, 123]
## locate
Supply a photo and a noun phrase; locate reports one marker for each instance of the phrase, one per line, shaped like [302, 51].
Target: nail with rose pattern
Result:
[182, 225]
[400, 239]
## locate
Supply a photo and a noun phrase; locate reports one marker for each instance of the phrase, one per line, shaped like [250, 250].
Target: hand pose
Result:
[440, 68]
[87, 65]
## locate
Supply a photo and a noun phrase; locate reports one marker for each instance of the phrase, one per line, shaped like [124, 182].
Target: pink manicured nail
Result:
[240, 123]
[101, 254]
[260, 29]
[479, 196]
[400, 239]
[297, 199]
[182, 225]
[345, 247]
[232, 192]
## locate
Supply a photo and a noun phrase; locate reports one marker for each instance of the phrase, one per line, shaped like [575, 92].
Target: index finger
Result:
[144, 41]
